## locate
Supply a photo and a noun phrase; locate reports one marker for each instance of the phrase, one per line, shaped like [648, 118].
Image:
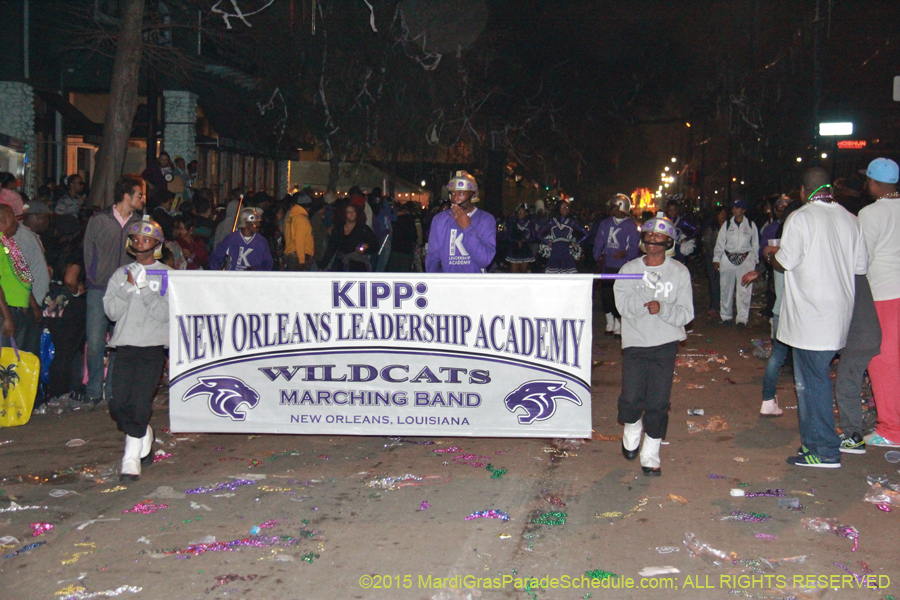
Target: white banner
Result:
[380, 354]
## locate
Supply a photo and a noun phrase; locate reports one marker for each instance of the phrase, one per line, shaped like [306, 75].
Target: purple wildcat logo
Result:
[226, 395]
[538, 398]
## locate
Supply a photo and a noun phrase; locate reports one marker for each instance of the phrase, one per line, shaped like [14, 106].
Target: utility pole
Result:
[817, 78]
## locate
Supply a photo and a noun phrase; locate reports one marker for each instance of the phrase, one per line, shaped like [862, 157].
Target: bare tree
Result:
[123, 103]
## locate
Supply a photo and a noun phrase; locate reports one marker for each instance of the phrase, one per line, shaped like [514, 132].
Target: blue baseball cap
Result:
[883, 169]
[739, 204]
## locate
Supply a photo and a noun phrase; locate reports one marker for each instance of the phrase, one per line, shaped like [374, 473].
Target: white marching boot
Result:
[610, 324]
[147, 447]
[131, 461]
[770, 409]
[650, 456]
[631, 439]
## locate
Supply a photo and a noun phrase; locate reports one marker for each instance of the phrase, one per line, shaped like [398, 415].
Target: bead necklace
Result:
[19, 266]
[891, 195]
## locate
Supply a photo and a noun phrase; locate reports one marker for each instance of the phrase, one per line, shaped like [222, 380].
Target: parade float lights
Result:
[642, 199]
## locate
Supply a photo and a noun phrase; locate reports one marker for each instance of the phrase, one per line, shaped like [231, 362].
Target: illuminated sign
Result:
[835, 128]
[852, 144]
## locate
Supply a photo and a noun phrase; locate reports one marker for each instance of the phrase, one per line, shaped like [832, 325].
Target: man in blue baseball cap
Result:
[881, 227]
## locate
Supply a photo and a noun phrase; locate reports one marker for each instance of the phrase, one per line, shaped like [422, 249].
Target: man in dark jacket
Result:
[104, 252]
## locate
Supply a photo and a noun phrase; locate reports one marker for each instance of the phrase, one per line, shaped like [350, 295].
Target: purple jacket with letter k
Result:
[452, 250]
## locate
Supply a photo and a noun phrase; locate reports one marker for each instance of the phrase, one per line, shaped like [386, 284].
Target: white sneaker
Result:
[770, 409]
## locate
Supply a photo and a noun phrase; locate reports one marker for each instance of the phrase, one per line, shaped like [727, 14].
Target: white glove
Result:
[138, 274]
[687, 247]
[651, 278]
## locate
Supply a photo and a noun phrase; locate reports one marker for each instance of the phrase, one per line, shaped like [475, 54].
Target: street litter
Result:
[488, 514]
[740, 515]
[74, 443]
[84, 595]
[224, 579]
[166, 493]
[550, 518]
[713, 425]
[707, 552]
[656, 571]
[680, 500]
[879, 495]
[823, 525]
[13, 507]
[695, 412]
[84, 524]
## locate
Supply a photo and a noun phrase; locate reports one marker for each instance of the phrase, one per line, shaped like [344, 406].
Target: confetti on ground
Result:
[496, 473]
[600, 574]
[40, 528]
[740, 515]
[25, 549]
[147, 507]
[118, 488]
[13, 507]
[550, 518]
[226, 579]
[228, 485]
[81, 595]
[473, 460]
[488, 514]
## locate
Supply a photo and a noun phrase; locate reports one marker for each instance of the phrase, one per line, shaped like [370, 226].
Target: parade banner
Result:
[380, 354]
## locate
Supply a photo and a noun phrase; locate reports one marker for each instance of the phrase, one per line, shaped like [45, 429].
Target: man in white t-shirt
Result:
[822, 249]
[881, 227]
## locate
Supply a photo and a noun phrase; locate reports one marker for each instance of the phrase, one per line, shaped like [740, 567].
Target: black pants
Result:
[134, 382]
[68, 333]
[607, 294]
[646, 387]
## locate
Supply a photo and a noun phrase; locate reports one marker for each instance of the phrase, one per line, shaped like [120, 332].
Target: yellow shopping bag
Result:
[19, 374]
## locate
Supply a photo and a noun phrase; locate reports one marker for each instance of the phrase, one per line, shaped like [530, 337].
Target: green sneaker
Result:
[853, 444]
[811, 460]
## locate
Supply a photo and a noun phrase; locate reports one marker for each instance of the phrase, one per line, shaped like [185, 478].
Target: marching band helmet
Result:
[622, 202]
[148, 228]
[660, 224]
[463, 182]
[248, 215]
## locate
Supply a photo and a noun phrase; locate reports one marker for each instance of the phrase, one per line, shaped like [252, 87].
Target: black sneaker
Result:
[811, 460]
[853, 444]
